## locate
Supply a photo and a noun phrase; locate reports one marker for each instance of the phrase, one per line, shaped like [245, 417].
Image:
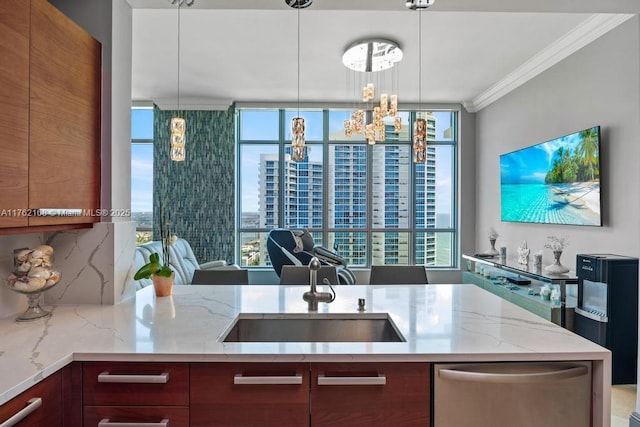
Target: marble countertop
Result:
[441, 323]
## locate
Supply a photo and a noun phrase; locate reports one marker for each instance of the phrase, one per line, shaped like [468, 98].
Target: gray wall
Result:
[598, 85]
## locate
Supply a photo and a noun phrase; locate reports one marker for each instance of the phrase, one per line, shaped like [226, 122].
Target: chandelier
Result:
[375, 59]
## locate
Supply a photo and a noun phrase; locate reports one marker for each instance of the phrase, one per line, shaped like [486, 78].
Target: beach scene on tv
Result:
[555, 182]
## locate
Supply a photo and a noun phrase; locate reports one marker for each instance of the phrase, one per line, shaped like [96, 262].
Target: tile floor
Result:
[623, 403]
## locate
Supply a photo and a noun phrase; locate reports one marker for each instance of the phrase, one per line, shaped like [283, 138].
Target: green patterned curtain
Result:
[197, 194]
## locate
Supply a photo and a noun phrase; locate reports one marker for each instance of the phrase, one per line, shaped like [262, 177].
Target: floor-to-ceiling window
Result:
[370, 203]
[142, 172]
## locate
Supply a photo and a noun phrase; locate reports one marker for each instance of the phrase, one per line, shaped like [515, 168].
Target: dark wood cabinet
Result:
[370, 394]
[41, 405]
[125, 392]
[50, 106]
[228, 394]
[249, 394]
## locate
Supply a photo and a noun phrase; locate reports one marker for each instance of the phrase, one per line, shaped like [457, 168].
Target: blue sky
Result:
[264, 126]
[142, 161]
[530, 165]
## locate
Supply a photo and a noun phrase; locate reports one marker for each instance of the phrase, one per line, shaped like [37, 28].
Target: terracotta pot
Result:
[162, 285]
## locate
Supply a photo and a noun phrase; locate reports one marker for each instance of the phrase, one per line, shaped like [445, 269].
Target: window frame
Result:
[326, 142]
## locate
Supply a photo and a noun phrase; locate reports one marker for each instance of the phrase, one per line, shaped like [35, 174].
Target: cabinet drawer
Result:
[47, 411]
[362, 394]
[124, 383]
[249, 394]
[150, 415]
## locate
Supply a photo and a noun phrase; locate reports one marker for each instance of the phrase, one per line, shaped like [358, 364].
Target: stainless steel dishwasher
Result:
[523, 394]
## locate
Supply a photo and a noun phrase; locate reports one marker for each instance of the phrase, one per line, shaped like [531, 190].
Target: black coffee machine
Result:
[607, 309]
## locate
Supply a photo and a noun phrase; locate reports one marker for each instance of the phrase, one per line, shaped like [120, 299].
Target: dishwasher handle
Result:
[472, 375]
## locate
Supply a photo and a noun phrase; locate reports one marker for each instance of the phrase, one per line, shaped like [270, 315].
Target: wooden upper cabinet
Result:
[14, 112]
[64, 108]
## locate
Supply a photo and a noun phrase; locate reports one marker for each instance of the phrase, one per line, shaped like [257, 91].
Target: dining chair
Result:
[398, 275]
[299, 275]
[220, 277]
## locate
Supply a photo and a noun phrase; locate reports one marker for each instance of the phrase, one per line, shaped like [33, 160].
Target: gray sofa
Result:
[181, 259]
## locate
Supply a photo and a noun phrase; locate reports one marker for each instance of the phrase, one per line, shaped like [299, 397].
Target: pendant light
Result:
[420, 125]
[297, 124]
[178, 124]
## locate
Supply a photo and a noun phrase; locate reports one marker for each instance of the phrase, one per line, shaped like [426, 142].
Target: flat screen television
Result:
[554, 182]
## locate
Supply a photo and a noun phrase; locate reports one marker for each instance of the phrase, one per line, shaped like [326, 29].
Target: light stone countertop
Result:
[441, 323]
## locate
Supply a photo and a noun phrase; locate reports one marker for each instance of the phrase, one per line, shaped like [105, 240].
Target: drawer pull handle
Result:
[285, 379]
[106, 423]
[381, 379]
[33, 404]
[551, 374]
[106, 377]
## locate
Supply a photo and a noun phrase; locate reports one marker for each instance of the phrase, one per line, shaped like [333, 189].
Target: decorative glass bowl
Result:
[34, 310]
[33, 273]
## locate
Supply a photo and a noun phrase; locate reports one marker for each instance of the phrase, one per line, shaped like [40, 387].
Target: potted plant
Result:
[160, 273]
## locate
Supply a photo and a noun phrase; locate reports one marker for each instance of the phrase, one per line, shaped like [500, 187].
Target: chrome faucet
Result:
[312, 297]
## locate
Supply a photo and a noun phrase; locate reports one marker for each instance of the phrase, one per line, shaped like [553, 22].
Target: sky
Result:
[264, 126]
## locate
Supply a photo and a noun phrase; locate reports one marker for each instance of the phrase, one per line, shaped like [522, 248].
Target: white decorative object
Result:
[545, 292]
[556, 267]
[493, 235]
[523, 253]
[537, 260]
[556, 245]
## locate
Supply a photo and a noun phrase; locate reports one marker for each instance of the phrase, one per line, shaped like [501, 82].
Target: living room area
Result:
[484, 79]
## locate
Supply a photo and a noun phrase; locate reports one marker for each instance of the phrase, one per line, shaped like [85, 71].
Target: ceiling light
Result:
[178, 125]
[187, 3]
[297, 124]
[370, 57]
[419, 4]
[298, 4]
[420, 125]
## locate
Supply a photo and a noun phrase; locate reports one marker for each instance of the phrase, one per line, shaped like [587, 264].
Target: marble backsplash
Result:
[96, 265]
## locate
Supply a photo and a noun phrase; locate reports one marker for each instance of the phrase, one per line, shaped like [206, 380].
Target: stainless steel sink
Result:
[315, 327]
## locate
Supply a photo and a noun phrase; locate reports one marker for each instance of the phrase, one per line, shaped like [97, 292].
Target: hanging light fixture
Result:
[420, 125]
[373, 56]
[178, 124]
[297, 123]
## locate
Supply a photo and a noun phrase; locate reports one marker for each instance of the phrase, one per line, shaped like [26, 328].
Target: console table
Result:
[511, 267]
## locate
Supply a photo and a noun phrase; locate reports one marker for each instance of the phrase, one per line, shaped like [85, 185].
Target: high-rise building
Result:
[347, 198]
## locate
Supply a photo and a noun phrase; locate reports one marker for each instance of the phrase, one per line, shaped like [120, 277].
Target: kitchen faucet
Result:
[312, 296]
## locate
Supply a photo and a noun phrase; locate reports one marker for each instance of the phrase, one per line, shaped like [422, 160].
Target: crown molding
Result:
[592, 28]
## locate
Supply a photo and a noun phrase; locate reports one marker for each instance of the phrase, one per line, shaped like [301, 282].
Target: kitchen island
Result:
[440, 323]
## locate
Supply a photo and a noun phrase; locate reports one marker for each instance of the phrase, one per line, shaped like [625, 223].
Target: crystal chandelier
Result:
[373, 57]
[178, 125]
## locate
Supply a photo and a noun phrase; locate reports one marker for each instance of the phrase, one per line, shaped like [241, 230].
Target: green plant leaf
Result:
[164, 271]
[147, 270]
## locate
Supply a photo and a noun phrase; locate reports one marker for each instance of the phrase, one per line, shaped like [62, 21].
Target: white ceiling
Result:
[473, 51]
